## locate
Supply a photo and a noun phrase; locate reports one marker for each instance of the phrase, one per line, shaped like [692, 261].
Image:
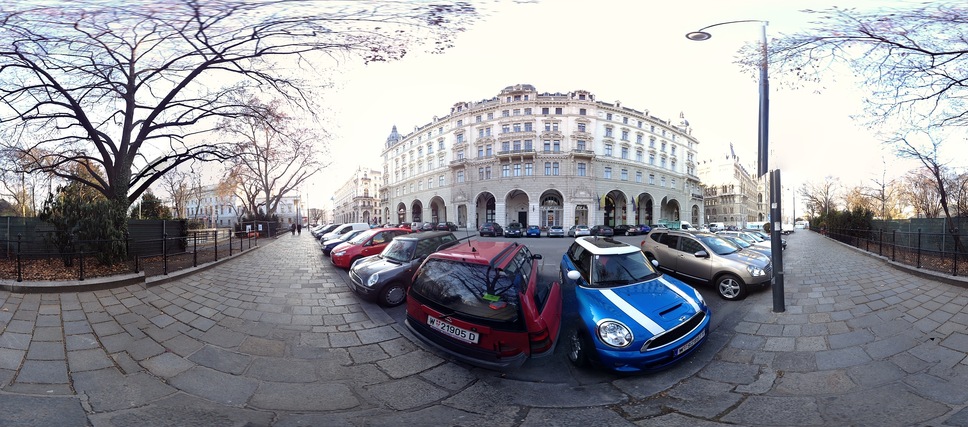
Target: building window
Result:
[517, 169]
[673, 150]
[638, 155]
[490, 116]
[460, 177]
[528, 145]
[440, 181]
[652, 142]
[625, 135]
[480, 174]
[625, 120]
[505, 113]
[480, 133]
[527, 111]
[478, 118]
[608, 150]
[638, 177]
[488, 150]
[581, 127]
[547, 146]
[625, 152]
[528, 169]
[544, 110]
[517, 127]
[460, 123]
[529, 127]
[672, 183]
[547, 168]
[662, 162]
[487, 172]
[651, 179]
[516, 112]
[662, 180]
[556, 146]
[651, 159]
[505, 128]
[638, 138]
[663, 146]
[581, 169]
[460, 138]
[608, 116]
[517, 145]
[480, 152]
[580, 145]
[558, 110]
[554, 168]
[505, 171]
[581, 111]
[625, 175]
[506, 146]
[672, 164]
[608, 132]
[608, 172]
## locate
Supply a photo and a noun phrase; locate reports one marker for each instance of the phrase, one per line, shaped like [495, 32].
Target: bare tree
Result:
[927, 151]
[921, 194]
[910, 69]
[132, 89]
[821, 197]
[176, 184]
[271, 151]
[859, 198]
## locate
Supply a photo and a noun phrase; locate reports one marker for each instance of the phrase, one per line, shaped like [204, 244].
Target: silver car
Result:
[709, 258]
[579, 230]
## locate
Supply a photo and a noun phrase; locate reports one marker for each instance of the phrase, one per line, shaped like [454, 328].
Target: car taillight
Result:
[540, 341]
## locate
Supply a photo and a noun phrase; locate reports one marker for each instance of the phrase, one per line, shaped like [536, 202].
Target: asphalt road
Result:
[551, 250]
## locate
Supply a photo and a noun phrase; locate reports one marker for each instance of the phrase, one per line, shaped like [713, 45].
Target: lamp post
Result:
[762, 157]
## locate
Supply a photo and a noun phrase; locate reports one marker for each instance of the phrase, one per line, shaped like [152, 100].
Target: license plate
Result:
[685, 347]
[451, 330]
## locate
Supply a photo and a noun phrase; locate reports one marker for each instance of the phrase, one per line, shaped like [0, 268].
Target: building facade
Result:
[214, 209]
[358, 199]
[733, 195]
[542, 159]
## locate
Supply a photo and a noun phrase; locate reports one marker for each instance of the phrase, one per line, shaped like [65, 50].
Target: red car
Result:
[482, 303]
[368, 243]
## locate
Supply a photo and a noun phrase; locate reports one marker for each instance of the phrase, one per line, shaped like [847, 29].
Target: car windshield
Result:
[739, 242]
[582, 227]
[750, 237]
[619, 270]
[719, 245]
[400, 250]
[474, 290]
[360, 238]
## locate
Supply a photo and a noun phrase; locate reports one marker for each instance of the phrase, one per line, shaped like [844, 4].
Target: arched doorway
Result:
[581, 215]
[438, 212]
[695, 216]
[551, 209]
[485, 206]
[417, 211]
[616, 208]
[401, 213]
[643, 209]
[517, 207]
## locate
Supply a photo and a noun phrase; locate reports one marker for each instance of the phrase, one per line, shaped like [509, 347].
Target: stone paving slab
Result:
[278, 339]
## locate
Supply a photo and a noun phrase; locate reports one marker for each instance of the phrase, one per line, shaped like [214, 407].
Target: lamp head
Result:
[698, 36]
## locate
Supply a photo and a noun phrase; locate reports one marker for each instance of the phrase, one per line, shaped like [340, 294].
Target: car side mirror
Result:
[536, 256]
[655, 262]
[573, 275]
[702, 254]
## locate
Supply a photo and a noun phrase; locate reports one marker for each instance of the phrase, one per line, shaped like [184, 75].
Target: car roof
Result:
[479, 252]
[605, 246]
[424, 235]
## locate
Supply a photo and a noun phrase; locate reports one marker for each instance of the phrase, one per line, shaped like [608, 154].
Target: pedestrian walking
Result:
[299, 229]
[292, 229]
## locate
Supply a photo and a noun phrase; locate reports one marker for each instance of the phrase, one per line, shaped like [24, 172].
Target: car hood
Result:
[655, 305]
[749, 257]
[365, 267]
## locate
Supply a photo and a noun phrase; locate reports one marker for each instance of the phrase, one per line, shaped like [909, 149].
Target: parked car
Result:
[579, 230]
[323, 229]
[415, 226]
[514, 230]
[556, 231]
[328, 245]
[709, 258]
[766, 237]
[428, 226]
[638, 229]
[748, 246]
[364, 244]
[621, 230]
[630, 317]
[492, 229]
[752, 239]
[343, 229]
[602, 230]
[446, 226]
[533, 231]
[482, 303]
[385, 277]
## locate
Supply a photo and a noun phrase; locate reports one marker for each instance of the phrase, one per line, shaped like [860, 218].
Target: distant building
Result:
[211, 208]
[542, 159]
[358, 200]
[733, 195]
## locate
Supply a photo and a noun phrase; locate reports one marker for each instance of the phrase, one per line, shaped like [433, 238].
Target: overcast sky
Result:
[621, 50]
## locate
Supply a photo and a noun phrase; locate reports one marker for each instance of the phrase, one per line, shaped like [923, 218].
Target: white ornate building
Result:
[542, 159]
[357, 200]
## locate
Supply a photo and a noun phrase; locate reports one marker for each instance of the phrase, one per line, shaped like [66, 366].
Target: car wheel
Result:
[392, 295]
[579, 348]
[730, 287]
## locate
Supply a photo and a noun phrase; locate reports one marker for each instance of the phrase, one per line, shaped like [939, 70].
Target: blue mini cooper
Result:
[631, 317]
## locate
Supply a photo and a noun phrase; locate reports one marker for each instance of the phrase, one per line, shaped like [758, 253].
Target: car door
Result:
[688, 263]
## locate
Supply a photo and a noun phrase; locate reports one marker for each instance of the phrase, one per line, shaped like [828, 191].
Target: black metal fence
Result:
[34, 254]
[940, 252]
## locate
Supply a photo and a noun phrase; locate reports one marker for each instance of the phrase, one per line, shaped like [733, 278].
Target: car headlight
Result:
[614, 334]
[340, 253]
[755, 271]
[702, 302]
[375, 277]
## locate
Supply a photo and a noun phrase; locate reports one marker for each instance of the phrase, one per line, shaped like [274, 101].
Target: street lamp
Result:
[762, 157]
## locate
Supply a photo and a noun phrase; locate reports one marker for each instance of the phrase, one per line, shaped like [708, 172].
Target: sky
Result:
[620, 50]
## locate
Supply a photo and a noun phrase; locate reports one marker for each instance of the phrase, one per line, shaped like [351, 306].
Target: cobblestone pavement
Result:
[275, 338]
